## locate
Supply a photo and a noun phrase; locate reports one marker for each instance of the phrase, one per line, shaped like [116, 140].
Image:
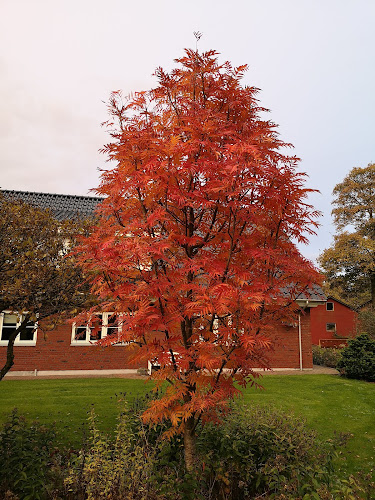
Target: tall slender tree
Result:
[196, 242]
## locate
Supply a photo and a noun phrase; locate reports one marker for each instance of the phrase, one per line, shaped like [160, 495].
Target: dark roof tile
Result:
[63, 206]
[314, 293]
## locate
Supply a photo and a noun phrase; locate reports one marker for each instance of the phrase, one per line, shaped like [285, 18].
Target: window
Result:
[9, 322]
[103, 325]
[330, 306]
[331, 327]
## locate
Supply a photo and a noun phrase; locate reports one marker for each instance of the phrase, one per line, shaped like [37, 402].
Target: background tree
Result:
[196, 238]
[38, 280]
[349, 264]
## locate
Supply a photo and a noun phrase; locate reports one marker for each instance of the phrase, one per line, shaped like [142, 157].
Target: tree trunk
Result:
[10, 348]
[189, 444]
[372, 281]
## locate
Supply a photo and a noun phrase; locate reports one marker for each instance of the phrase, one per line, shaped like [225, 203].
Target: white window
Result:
[102, 325]
[330, 306]
[9, 322]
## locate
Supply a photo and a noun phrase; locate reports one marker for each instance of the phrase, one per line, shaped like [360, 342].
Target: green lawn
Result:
[327, 402]
[66, 402]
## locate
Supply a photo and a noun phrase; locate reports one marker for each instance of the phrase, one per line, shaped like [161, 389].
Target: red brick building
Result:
[71, 348]
[60, 350]
[332, 323]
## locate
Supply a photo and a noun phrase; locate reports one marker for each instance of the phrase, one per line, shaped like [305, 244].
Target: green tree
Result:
[349, 264]
[355, 201]
[38, 278]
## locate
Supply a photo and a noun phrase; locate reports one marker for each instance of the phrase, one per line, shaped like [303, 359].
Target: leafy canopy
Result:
[38, 278]
[354, 200]
[196, 238]
[349, 264]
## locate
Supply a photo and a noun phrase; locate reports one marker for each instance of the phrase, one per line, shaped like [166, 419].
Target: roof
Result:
[314, 293]
[63, 206]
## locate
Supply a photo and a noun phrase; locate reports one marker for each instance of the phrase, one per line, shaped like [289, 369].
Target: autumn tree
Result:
[349, 264]
[39, 282]
[195, 250]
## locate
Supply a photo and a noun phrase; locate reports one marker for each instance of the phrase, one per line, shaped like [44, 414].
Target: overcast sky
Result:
[314, 61]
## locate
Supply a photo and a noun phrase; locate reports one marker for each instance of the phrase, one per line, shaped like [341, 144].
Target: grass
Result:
[328, 403]
[65, 403]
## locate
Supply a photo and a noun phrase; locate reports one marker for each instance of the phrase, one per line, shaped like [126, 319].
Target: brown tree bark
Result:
[189, 444]
[9, 362]
[372, 281]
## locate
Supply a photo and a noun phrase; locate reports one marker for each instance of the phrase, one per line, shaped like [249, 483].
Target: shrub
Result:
[25, 458]
[263, 451]
[358, 359]
[326, 356]
[254, 453]
[366, 322]
[113, 469]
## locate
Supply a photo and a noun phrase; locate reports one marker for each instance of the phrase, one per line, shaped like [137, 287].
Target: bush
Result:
[254, 451]
[113, 469]
[366, 320]
[358, 359]
[26, 453]
[326, 356]
[263, 451]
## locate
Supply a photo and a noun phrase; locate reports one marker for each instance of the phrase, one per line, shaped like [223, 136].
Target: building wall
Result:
[344, 318]
[53, 351]
[286, 345]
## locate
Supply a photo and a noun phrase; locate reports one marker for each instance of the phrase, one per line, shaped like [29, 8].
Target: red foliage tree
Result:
[196, 238]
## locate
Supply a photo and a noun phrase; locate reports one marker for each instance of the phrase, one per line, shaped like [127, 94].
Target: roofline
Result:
[331, 297]
[52, 194]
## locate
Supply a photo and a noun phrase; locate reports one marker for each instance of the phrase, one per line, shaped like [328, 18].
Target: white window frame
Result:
[17, 342]
[104, 331]
[333, 306]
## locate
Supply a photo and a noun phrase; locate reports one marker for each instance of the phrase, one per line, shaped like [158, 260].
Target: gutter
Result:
[304, 304]
[300, 341]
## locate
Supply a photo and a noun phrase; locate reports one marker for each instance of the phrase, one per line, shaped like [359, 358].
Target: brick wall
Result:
[344, 318]
[53, 351]
[286, 345]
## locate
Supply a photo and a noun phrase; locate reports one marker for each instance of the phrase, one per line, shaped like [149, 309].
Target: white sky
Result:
[314, 61]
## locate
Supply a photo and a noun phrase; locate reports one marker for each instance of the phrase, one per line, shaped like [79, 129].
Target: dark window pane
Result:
[112, 330]
[29, 333]
[7, 331]
[329, 306]
[81, 333]
[331, 327]
[112, 320]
